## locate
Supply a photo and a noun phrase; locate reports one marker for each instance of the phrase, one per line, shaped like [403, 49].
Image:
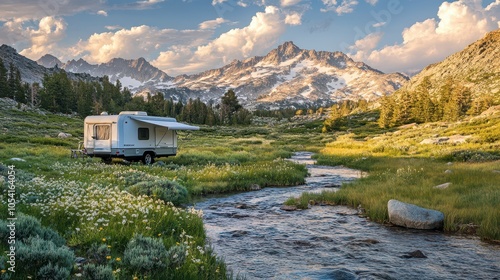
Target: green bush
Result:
[165, 190]
[97, 272]
[53, 272]
[145, 255]
[28, 226]
[176, 255]
[473, 156]
[42, 257]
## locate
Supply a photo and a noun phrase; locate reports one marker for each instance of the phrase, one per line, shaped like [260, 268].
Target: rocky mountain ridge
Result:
[133, 73]
[477, 67]
[286, 76]
[290, 76]
[31, 71]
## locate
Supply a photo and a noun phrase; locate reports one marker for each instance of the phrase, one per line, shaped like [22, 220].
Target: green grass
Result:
[399, 167]
[85, 202]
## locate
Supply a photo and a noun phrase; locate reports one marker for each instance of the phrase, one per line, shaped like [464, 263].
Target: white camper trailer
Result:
[132, 135]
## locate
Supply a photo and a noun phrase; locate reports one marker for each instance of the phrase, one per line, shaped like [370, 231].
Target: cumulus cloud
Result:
[212, 24]
[293, 18]
[134, 42]
[345, 7]
[286, 3]
[44, 39]
[260, 35]
[458, 24]
[364, 46]
[102, 13]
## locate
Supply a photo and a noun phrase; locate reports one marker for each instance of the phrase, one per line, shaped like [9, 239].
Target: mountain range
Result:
[132, 73]
[286, 76]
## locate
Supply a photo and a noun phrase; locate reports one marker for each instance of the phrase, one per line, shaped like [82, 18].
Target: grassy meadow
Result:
[400, 167]
[130, 221]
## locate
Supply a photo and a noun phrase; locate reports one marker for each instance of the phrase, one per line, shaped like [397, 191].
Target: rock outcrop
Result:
[412, 216]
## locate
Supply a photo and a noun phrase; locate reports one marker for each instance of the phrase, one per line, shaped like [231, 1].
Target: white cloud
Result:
[215, 2]
[293, 18]
[379, 24]
[212, 24]
[43, 40]
[364, 46]
[372, 2]
[459, 23]
[260, 35]
[286, 3]
[135, 42]
[149, 2]
[102, 13]
[242, 4]
[345, 7]
[113, 27]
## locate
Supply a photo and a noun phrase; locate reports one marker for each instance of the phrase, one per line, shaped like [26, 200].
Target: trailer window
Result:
[143, 133]
[102, 132]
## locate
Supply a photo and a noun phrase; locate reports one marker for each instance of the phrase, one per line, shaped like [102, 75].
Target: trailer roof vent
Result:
[137, 113]
[104, 113]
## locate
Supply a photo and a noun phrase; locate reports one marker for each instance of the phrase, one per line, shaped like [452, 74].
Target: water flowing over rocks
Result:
[413, 216]
[327, 242]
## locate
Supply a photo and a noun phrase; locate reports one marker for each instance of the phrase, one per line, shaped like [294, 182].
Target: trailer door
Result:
[102, 138]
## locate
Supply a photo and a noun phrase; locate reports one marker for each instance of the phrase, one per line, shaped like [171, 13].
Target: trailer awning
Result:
[169, 125]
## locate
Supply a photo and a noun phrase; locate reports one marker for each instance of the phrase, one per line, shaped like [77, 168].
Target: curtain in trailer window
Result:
[102, 132]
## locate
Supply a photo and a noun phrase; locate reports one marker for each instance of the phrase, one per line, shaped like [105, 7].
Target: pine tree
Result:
[386, 112]
[12, 82]
[229, 106]
[333, 121]
[4, 86]
[21, 91]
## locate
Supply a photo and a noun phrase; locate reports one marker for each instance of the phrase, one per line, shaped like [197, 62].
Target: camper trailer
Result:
[132, 135]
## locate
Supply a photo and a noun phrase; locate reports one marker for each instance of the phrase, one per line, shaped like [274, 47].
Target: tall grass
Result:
[399, 167]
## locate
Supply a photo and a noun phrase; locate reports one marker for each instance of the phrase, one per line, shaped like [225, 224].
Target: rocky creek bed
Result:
[258, 240]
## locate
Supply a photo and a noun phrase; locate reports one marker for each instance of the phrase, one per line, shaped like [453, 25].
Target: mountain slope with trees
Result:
[466, 83]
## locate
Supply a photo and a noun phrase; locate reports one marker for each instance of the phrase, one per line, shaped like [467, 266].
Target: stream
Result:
[258, 240]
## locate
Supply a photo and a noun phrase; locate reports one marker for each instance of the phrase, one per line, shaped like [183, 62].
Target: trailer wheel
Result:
[148, 158]
[107, 160]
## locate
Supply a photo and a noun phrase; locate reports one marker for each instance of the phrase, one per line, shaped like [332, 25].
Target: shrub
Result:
[28, 226]
[176, 255]
[145, 255]
[43, 257]
[473, 156]
[97, 272]
[165, 190]
[53, 272]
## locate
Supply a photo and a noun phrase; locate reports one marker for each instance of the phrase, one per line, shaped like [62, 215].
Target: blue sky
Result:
[190, 36]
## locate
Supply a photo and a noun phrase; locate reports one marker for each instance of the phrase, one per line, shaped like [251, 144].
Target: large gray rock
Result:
[413, 216]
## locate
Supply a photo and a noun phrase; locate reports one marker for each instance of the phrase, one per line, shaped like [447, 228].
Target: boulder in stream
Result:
[413, 216]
